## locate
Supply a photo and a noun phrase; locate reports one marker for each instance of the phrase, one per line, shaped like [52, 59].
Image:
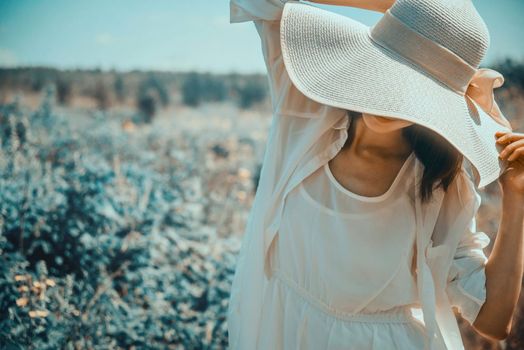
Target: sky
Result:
[177, 35]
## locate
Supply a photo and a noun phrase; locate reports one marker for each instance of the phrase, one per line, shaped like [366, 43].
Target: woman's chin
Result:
[381, 124]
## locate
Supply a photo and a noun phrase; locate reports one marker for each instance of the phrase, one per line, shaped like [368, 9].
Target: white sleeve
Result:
[286, 99]
[466, 287]
[250, 10]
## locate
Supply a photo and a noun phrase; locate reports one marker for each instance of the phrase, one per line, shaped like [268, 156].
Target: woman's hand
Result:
[504, 268]
[512, 179]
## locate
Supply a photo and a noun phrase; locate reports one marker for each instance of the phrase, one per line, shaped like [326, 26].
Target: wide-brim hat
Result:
[418, 63]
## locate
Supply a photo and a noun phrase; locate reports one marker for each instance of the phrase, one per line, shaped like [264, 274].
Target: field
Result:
[120, 229]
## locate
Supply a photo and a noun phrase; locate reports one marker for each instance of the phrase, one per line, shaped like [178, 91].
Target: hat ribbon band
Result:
[480, 90]
[441, 63]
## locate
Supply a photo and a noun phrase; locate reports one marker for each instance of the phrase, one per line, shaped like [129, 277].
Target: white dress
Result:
[342, 269]
[317, 286]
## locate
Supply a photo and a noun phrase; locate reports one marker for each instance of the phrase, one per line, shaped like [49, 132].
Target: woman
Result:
[345, 239]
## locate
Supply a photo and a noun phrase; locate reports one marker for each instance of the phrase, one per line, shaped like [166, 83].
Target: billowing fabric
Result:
[304, 135]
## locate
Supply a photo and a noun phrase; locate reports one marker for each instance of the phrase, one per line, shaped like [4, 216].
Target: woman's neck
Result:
[369, 143]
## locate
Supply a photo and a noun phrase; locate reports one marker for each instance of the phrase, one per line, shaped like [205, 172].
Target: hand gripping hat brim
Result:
[332, 59]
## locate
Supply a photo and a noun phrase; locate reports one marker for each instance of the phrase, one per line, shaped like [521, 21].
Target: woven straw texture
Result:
[333, 60]
[454, 24]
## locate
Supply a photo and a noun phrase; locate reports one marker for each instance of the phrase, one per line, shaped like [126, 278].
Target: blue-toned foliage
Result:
[90, 243]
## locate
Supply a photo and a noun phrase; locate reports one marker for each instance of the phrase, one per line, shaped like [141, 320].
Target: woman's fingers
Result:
[516, 154]
[511, 148]
[508, 137]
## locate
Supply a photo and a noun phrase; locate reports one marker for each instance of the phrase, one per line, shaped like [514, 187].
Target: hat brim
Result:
[332, 59]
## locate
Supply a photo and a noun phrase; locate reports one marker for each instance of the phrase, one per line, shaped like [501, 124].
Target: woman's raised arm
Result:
[373, 5]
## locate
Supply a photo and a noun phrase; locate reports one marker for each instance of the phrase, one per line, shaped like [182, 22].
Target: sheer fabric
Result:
[343, 268]
[304, 135]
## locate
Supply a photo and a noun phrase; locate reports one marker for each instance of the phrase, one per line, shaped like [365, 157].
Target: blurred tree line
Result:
[513, 72]
[148, 91]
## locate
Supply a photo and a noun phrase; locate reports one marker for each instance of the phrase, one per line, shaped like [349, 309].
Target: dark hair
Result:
[442, 162]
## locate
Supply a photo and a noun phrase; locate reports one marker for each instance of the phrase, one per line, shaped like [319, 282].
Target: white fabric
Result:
[305, 135]
[331, 248]
[346, 249]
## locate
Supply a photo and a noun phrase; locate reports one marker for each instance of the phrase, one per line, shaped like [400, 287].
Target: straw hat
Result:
[418, 63]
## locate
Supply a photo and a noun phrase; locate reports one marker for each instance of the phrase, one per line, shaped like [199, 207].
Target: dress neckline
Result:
[378, 198]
